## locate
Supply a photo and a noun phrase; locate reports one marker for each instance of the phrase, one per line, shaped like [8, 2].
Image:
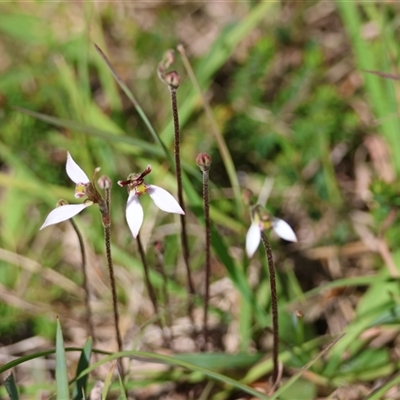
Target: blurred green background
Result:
[308, 130]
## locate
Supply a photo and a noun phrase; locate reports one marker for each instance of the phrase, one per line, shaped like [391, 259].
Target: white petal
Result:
[253, 238]
[134, 214]
[63, 213]
[75, 172]
[164, 200]
[283, 230]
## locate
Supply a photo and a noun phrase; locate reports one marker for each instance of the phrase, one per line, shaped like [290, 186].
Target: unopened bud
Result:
[104, 182]
[203, 160]
[172, 79]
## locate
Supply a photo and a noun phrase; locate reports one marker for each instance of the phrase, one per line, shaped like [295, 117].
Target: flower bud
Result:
[104, 182]
[172, 79]
[203, 160]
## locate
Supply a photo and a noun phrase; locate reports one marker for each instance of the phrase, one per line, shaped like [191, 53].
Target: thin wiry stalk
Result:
[107, 238]
[206, 199]
[274, 307]
[113, 290]
[203, 160]
[85, 280]
[150, 288]
[184, 236]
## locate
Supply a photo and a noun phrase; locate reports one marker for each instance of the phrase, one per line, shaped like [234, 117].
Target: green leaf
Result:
[380, 92]
[377, 394]
[61, 366]
[107, 382]
[135, 103]
[84, 361]
[296, 376]
[174, 361]
[11, 387]
[27, 28]
[352, 338]
[93, 131]
[220, 361]
[122, 396]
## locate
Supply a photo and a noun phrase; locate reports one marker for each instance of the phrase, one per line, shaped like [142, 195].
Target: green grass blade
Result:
[377, 394]
[24, 359]
[61, 366]
[26, 28]
[296, 376]
[107, 382]
[245, 323]
[345, 282]
[219, 361]
[135, 103]
[25, 179]
[11, 387]
[353, 332]
[367, 59]
[194, 362]
[91, 130]
[174, 361]
[264, 367]
[84, 361]
[122, 396]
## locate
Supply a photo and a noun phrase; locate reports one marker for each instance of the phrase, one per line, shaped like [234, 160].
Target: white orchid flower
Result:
[136, 188]
[261, 220]
[83, 188]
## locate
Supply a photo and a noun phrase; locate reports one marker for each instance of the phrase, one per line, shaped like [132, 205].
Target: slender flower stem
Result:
[184, 236]
[274, 306]
[203, 160]
[113, 286]
[85, 280]
[150, 288]
[106, 219]
[208, 253]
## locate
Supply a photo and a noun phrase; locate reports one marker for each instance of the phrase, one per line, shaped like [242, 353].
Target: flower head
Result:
[84, 188]
[136, 188]
[262, 220]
